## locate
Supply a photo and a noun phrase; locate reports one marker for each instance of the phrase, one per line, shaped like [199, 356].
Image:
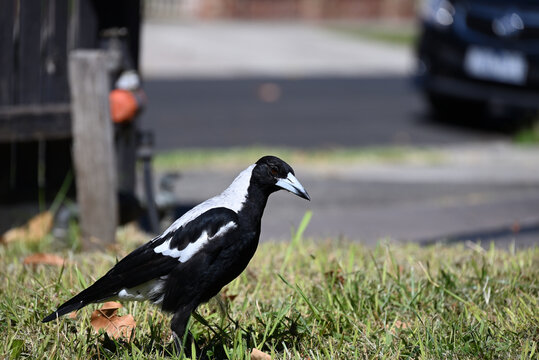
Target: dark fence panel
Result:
[35, 121]
[83, 25]
[36, 37]
[54, 30]
[28, 64]
[7, 17]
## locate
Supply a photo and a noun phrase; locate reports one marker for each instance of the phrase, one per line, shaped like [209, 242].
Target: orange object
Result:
[123, 105]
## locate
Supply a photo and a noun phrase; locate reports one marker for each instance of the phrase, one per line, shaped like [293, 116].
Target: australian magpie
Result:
[199, 253]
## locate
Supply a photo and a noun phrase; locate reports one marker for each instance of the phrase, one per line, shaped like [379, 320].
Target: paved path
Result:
[245, 49]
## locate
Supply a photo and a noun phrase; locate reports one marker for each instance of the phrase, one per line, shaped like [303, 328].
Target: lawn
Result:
[302, 299]
[528, 136]
[395, 33]
[189, 159]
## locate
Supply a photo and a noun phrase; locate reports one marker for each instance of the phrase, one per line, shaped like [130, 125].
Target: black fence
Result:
[35, 121]
[36, 37]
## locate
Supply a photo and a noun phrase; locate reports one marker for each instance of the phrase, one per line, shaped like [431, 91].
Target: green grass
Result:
[528, 136]
[399, 34]
[238, 157]
[306, 299]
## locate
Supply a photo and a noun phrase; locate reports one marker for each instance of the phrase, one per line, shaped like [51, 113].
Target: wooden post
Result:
[93, 146]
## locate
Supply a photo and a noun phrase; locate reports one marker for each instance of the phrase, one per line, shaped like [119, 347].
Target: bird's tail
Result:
[85, 297]
[64, 309]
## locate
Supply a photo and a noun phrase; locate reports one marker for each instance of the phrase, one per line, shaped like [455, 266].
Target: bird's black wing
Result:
[154, 259]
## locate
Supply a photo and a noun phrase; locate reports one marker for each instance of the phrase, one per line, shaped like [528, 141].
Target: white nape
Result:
[232, 198]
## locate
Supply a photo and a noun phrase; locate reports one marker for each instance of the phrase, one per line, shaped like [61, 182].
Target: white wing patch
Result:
[186, 253]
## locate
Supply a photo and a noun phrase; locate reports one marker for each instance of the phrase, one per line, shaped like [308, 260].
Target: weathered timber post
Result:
[93, 146]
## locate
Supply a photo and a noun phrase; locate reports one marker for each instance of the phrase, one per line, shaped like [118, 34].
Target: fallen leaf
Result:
[41, 258]
[111, 305]
[226, 296]
[110, 308]
[259, 355]
[335, 274]
[34, 230]
[397, 325]
[40, 225]
[15, 234]
[72, 315]
[401, 325]
[114, 325]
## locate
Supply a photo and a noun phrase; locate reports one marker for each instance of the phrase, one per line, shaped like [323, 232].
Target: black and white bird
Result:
[202, 251]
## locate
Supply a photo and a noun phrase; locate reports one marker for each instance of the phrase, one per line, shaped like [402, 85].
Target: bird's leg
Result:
[178, 326]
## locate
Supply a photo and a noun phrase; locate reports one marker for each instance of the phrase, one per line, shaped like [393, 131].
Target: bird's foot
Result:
[186, 346]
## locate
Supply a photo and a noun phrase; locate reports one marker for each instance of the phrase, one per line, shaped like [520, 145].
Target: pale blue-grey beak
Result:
[290, 183]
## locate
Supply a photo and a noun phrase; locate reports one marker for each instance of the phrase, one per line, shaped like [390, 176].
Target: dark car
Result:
[479, 54]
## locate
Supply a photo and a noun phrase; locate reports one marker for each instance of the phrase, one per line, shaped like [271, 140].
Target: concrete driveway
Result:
[247, 49]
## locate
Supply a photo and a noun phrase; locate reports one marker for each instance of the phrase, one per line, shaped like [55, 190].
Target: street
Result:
[313, 112]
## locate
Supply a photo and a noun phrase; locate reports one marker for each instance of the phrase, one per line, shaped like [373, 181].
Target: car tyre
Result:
[450, 108]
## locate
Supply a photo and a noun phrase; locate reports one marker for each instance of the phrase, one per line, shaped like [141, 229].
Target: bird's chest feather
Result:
[238, 254]
[230, 263]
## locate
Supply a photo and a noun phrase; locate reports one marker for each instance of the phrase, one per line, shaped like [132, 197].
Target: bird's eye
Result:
[274, 171]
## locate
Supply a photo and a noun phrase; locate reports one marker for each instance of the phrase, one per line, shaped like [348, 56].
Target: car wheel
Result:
[455, 109]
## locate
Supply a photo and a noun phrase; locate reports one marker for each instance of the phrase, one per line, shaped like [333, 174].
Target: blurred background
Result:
[407, 120]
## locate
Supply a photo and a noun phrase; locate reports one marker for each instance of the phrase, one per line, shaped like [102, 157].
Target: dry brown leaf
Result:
[34, 230]
[259, 355]
[401, 325]
[47, 259]
[114, 325]
[111, 305]
[72, 315]
[336, 274]
[15, 234]
[110, 308]
[40, 225]
[226, 296]
[398, 325]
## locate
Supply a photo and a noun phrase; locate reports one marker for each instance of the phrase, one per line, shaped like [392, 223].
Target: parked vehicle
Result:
[479, 54]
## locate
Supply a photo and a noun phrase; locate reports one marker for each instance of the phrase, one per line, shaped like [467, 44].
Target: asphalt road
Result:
[304, 112]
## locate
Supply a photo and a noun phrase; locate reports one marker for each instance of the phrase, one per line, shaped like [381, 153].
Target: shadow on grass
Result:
[233, 338]
[503, 236]
[215, 343]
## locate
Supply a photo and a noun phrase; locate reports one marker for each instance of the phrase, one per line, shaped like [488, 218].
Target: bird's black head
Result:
[274, 174]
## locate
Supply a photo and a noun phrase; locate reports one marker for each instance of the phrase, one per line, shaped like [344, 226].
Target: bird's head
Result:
[274, 174]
